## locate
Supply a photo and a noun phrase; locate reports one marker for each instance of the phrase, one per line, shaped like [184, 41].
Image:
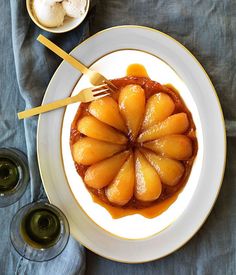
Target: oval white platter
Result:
[136, 238]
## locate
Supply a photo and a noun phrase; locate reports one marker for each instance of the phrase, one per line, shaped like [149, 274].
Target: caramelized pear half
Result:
[169, 170]
[106, 110]
[87, 150]
[175, 124]
[121, 190]
[92, 127]
[148, 184]
[132, 107]
[173, 146]
[158, 108]
[102, 173]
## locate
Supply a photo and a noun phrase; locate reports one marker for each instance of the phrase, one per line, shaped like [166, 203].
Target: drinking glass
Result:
[14, 175]
[39, 231]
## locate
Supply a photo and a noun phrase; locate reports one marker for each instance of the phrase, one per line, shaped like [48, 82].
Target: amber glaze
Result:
[169, 193]
[136, 70]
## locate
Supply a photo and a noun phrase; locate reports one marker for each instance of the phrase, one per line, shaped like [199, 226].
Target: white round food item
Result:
[50, 13]
[74, 8]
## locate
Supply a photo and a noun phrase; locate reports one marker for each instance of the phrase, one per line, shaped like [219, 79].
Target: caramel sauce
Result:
[148, 212]
[136, 70]
[137, 75]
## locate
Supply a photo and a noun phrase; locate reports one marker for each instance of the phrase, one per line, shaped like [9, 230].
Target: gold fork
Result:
[85, 95]
[94, 77]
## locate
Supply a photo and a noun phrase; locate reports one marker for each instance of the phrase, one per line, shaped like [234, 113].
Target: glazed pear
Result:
[102, 173]
[169, 170]
[132, 107]
[148, 184]
[175, 124]
[158, 108]
[87, 150]
[121, 189]
[106, 110]
[92, 127]
[173, 146]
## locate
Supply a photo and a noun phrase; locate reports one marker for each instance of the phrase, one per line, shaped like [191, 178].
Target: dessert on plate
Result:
[135, 148]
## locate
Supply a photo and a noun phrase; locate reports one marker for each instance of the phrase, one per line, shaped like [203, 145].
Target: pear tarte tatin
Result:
[134, 149]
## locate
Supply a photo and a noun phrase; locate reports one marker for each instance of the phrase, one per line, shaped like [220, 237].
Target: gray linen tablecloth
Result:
[25, 70]
[207, 29]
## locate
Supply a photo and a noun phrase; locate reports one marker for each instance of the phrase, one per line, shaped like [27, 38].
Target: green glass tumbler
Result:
[14, 175]
[39, 231]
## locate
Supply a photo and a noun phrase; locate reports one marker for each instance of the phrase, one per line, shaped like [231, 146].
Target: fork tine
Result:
[112, 89]
[99, 87]
[105, 85]
[100, 91]
[111, 85]
[101, 96]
